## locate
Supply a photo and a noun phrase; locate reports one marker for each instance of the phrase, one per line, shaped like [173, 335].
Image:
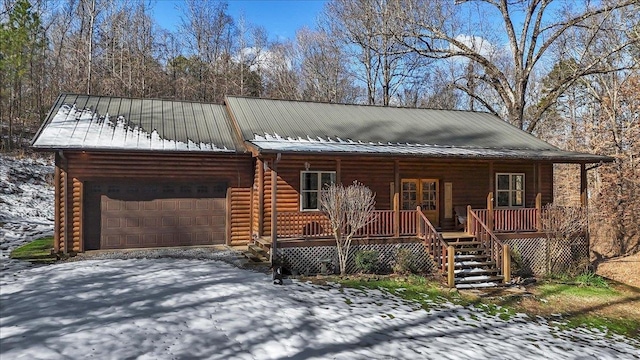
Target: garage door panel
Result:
[133, 222]
[150, 205]
[149, 222]
[132, 239]
[113, 223]
[185, 205]
[168, 205]
[149, 239]
[173, 215]
[131, 205]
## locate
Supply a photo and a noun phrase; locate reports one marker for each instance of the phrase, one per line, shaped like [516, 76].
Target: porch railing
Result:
[497, 251]
[314, 224]
[442, 254]
[510, 220]
[296, 224]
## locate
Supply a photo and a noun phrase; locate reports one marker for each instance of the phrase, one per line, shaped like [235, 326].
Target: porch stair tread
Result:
[256, 253]
[478, 279]
[263, 242]
[470, 257]
[474, 271]
[472, 264]
[464, 243]
[479, 285]
[252, 257]
[466, 251]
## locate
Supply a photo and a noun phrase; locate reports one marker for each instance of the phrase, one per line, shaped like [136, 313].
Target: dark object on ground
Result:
[277, 275]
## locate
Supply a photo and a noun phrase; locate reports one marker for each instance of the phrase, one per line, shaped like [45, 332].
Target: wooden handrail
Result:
[437, 247]
[315, 224]
[498, 251]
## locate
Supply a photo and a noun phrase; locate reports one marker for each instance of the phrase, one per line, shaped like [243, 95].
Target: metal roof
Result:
[297, 126]
[273, 144]
[377, 124]
[101, 122]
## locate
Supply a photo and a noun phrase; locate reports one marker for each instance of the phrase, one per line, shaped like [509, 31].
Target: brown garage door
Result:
[155, 215]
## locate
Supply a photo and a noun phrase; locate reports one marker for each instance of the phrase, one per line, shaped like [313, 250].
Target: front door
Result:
[423, 193]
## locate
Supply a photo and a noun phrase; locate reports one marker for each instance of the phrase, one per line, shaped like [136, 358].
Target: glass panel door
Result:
[429, 200]
[423, 193]
[409, 194]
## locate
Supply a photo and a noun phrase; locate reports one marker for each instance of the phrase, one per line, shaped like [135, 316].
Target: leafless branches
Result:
[349, 209]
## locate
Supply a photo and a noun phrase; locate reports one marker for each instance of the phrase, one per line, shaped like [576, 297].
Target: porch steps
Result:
[256, 254]
[263, 242]
[473, 268]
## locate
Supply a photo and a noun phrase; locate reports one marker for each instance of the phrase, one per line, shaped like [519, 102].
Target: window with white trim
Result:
[311, 183]
[510, 189]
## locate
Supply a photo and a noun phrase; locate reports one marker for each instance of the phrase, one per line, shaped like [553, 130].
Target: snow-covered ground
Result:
[207, 309]
[26, 205]
[197, 304]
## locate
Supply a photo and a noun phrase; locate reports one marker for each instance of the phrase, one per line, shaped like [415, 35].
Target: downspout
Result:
[274, 209]
[66, 202]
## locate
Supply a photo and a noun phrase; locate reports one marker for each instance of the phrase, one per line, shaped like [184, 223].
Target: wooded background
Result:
[565, 71]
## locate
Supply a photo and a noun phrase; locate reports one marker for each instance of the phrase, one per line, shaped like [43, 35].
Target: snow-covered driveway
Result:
[187, 309]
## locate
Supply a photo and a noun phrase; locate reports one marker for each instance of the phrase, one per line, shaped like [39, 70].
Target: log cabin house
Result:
[140, 173]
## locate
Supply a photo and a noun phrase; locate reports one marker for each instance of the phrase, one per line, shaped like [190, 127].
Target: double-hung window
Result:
[510, 189]
[311, 184]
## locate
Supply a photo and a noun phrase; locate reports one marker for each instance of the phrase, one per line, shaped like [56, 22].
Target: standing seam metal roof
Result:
[295, 126]
[101, 122]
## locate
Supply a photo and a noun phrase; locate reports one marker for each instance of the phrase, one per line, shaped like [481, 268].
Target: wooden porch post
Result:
[451, 280]
[274, 210]
[584, 201]
[261, 169]
[539, 211]
[338, 171]
[490, 211]
[491, 177]
[396, 198]
[506, 266]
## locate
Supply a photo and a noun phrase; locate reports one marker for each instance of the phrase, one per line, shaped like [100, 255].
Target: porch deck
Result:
[305, 226]
[453, 252]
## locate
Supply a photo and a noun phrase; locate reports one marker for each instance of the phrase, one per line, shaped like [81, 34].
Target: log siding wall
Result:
[78, 167]
[248, 195]
[471, 180]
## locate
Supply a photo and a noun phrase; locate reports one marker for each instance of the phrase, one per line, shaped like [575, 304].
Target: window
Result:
[311, 183]
[509, 190]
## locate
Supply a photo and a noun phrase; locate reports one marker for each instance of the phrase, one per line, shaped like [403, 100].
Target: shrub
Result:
[367, 261]
[518, 266]
[405, 262]
[591, 279]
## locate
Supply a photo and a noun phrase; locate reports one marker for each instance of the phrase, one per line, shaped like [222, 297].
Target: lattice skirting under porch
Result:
[307, 260]
[542, 257]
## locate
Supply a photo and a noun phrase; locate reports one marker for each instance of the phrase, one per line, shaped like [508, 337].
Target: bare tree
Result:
[434, 30]
[324, 73]
[366, 29]
[349, 209]
[562, 225]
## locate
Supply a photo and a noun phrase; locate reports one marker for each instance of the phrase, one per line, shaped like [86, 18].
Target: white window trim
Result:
[511, 191]
[319, 173]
